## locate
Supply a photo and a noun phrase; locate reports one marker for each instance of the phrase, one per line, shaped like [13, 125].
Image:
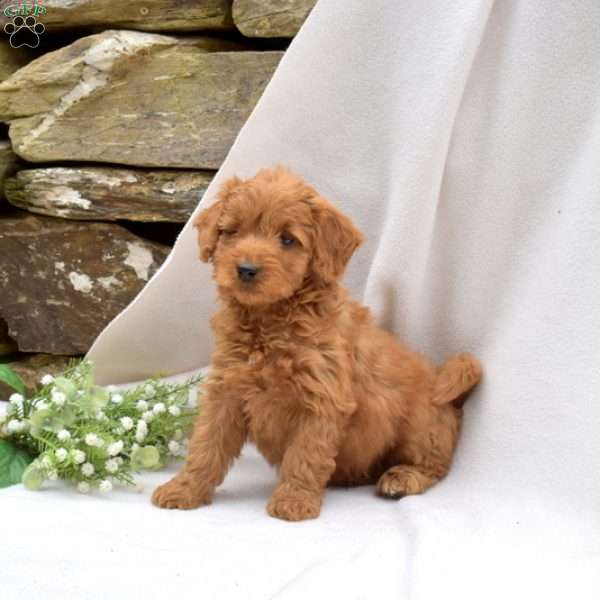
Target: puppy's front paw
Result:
[178, 493]
[293, 506]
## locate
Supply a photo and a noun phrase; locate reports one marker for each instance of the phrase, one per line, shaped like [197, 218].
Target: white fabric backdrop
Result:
[464, 139]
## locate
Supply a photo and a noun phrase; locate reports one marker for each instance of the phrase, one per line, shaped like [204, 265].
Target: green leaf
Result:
[8, 376]
[147, 457]
[33, 477]
[95, 400]
[66, 386]
[48, 420]
[13, 463]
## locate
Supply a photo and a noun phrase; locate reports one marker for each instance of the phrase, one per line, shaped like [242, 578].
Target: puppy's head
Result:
[267, 235]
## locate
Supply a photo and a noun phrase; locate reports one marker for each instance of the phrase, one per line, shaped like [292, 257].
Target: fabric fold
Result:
[463, 139]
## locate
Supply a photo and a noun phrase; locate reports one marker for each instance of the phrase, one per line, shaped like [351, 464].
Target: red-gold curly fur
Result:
[302, 370]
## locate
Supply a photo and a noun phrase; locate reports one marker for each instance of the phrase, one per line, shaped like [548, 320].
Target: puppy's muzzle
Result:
[247, 271]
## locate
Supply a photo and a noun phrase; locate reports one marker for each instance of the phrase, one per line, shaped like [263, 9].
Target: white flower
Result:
[178, 434]
[91, 439]
[61, 454]
[175, 410]
[174, 447]
[149, 390]
[47, 462]
[148, 416]
[105, 486]
[14, 426]
[47, 379]
[87, 469]
[127, 423]
[111, 388]
[43, 405]
[115, 448]
[116, 398]
[100, 416]
[119, 460]
[63, 435]
[134, 447]
[59, 398]
[78, 456]
[192, 398]
[16, 399]
[16, 405]
[111, 465]
[83, 487]
[141, 405]
[141, 431]
[52, 475]
[159, 408]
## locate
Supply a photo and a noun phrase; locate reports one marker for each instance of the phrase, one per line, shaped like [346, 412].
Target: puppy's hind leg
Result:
[423, 458]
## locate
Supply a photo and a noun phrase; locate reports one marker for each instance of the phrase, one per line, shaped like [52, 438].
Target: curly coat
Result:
[300, 369]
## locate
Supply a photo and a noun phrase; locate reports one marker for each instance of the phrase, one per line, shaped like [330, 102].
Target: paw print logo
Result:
[24, 32]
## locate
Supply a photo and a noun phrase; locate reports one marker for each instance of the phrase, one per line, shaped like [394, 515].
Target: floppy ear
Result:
[335, 240]
[207, 222]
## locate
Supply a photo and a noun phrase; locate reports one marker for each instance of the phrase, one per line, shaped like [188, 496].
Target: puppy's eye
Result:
[287, 239]
[227, 232]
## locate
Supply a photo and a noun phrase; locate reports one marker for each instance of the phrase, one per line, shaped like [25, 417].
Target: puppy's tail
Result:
[455, 379]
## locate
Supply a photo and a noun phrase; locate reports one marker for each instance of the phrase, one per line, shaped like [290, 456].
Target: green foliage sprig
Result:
[90, 435]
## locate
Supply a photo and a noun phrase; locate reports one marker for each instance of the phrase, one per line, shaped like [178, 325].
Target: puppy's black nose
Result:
[247, 271]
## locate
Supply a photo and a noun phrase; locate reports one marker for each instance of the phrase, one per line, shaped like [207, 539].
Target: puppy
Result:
[302, 370]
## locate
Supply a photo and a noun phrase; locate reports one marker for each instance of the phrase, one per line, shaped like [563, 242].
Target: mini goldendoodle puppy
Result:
[301, 370]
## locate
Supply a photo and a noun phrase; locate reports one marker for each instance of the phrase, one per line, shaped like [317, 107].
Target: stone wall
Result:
[115, 122]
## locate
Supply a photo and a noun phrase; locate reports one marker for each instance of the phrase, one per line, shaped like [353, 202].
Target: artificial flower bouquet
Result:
[90, 435]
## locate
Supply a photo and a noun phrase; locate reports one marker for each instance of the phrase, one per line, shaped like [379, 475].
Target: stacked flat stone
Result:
[119, 129]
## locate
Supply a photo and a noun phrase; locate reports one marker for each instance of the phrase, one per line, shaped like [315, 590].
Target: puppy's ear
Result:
[207, 222]
[335, 240]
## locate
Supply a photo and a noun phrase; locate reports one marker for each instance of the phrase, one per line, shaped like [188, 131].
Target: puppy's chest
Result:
[260, 355]
[268, 372]
[270, 392]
